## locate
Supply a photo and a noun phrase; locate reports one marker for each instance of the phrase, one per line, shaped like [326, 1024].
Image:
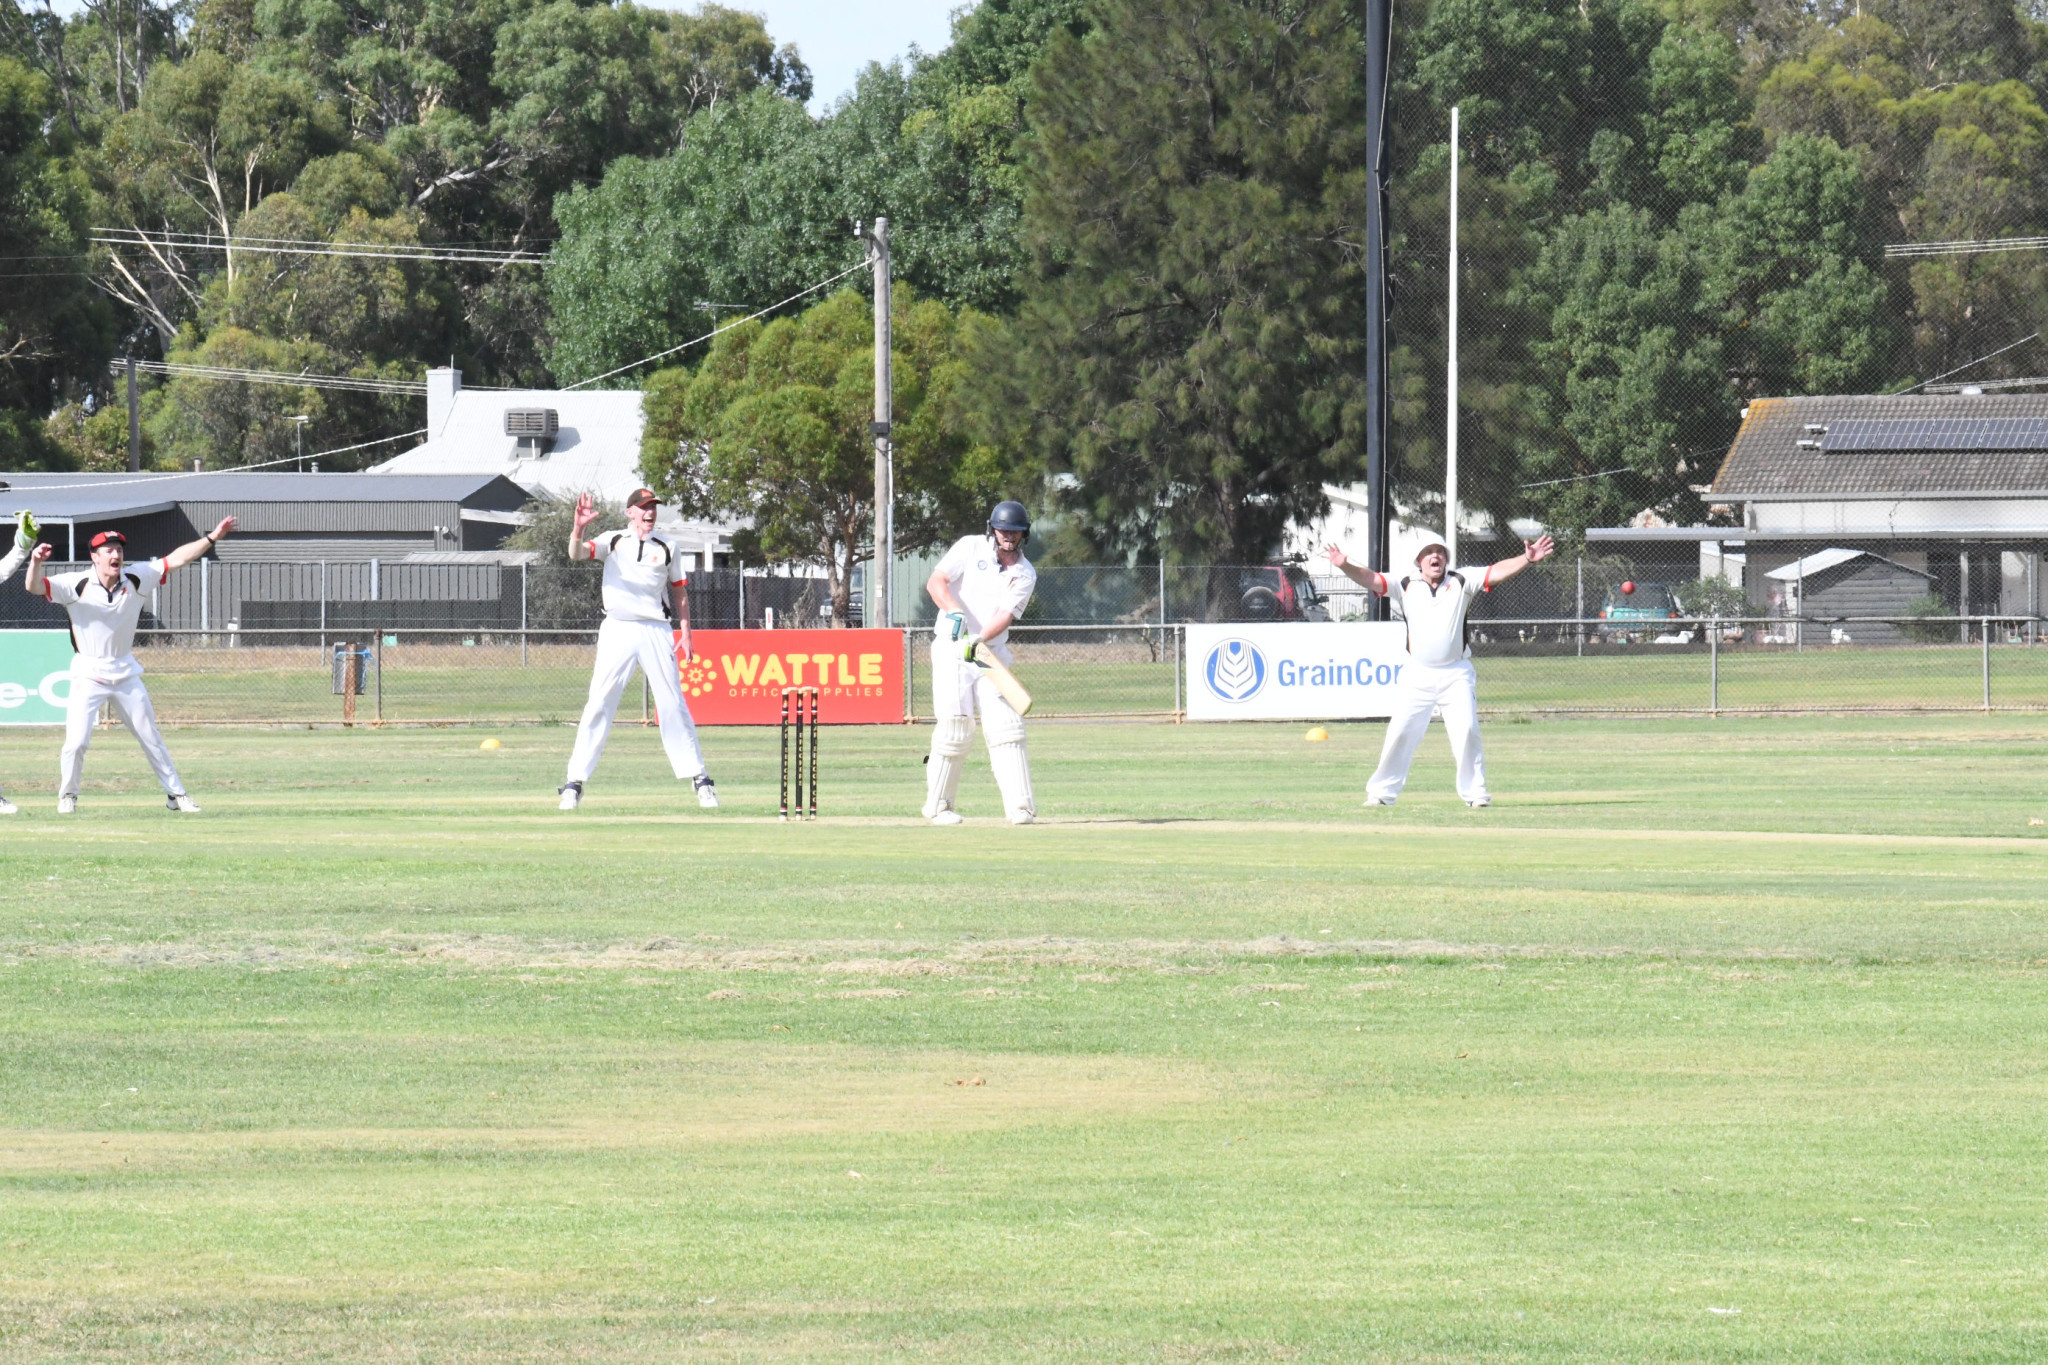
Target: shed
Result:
[1837, 582]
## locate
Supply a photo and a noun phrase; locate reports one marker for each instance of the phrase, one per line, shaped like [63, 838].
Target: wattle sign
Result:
[736, 677]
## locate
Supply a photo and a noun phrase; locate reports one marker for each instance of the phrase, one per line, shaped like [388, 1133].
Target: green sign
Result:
[35, 676]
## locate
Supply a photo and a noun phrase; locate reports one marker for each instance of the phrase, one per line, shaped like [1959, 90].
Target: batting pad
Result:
[1013, 775]
[1000, 722]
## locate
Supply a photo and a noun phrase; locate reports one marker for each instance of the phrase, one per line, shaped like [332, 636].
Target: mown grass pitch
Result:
[1713, 1041]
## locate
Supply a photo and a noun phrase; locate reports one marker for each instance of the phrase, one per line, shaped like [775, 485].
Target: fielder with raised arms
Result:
[643, 578]
[1439, 673]
[105, 603]
[981, 585]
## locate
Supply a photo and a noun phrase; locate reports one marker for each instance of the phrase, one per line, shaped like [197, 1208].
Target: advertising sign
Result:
[35, 676]
[736, 677]
[1310, 670]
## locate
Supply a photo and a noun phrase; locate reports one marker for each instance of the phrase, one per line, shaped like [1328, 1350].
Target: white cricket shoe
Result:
[67, 805]
[707, 794]
[8, 807]
[949, 817]
[572, 795]
[183, 803]
[1022, 817]
[1481, 803]
[1378, 801]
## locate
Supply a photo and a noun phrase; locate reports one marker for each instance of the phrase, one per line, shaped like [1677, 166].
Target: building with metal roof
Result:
[552, 442]
[282, 516]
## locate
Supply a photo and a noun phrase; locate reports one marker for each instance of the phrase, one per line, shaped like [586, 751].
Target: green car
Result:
[1651, 607]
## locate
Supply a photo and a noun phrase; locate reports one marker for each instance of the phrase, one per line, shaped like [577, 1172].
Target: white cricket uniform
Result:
[638, 576]
[1439, 674]
[105, 671]
[986, 589]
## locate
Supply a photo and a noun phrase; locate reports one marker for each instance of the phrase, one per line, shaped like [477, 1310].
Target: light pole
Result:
[299, 440]
[885, 448]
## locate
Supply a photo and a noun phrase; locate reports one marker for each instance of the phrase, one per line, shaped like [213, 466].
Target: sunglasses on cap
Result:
[109, 538]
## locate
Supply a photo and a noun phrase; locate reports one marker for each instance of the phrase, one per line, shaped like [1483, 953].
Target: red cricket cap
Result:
[644, 497]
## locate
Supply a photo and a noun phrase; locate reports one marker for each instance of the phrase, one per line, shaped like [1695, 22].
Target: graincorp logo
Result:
[1235, 670]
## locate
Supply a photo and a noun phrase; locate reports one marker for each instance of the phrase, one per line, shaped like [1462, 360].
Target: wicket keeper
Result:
[105, 603]
[981, 585]
[643, 580]
[1433, 602]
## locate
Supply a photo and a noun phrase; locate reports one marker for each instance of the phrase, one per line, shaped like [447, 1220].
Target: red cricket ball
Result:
[1628, 588]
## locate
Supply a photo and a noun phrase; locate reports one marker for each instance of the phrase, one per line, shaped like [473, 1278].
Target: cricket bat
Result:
[1005, 681]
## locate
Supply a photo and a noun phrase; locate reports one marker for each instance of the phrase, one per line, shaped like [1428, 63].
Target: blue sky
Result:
[838, 37]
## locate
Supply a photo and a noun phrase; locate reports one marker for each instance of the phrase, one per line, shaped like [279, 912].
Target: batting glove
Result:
[25, 532]
[953, 625]
[967, 650]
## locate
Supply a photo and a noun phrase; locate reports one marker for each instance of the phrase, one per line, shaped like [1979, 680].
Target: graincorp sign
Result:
[35, 676]
[736, 677]
[1342, 670]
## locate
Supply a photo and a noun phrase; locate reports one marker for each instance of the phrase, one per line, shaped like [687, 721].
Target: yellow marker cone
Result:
[1317, 735]
[492, 743]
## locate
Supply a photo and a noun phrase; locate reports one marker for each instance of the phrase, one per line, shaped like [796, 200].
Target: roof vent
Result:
[535, 430]
[1807, 444]
[1816, 429]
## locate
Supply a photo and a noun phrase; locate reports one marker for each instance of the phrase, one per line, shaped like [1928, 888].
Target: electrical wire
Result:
[336, 382]
[1905, 250]
[299, 246]
[663, 355]
[2031, 336]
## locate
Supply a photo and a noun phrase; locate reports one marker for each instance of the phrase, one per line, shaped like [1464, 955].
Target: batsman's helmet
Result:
[1010, 516]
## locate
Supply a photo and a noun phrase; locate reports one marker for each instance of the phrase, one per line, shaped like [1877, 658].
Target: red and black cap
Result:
[644, 497]
[109, 538]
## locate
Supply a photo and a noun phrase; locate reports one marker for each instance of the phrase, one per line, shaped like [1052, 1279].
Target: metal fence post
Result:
[1985, 626]
[522, 613]
[205, 620]
[1580, 632]
[380, 671]
[643, 698]
[323, 605]
[1714, 667]
[1180, 651]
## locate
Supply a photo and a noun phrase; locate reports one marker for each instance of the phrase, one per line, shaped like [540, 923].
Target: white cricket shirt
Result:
[103, 621]
[636, 574]
[985, 588]
[1436, 616]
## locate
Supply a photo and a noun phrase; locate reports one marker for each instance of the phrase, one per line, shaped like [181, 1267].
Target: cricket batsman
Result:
[105, 603]
[1433, 602]
[981, 585]
[24, 541]
[643, 580]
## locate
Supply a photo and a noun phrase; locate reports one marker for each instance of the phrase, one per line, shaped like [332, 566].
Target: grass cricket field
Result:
[1714, 1040]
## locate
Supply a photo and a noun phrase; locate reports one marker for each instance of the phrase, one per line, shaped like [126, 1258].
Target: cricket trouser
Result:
[1422, 690]
[623, 646]
[130, 701]
[958, 690]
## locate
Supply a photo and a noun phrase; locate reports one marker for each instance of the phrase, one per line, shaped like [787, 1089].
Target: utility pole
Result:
[1378, 31]
[299, 441]
[885, 447]
[1451, 367]
[134, 421]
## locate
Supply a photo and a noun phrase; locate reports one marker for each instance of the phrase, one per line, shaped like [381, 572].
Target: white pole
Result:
[1451, 367]
[885, 446]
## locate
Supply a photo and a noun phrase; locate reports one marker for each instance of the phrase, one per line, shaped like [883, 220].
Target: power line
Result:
[1904, 250]
[299, 246]
[1576, 478]
[2031, 336]
[663, 355]
[337, 382]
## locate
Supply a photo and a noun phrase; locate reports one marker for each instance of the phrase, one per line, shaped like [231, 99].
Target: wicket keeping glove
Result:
[25, 532]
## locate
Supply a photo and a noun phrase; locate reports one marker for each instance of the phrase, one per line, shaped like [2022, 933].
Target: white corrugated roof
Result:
[1814, 563]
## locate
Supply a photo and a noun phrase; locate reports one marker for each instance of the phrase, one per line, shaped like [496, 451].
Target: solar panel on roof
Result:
[1936, 433]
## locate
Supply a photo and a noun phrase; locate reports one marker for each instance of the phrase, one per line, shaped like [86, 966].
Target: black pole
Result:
[134, 421]
[1378, 29]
